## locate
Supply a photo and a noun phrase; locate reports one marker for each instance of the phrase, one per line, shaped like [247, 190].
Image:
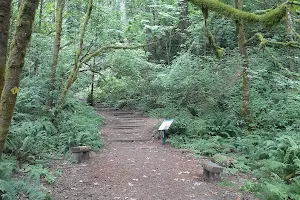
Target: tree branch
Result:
[294, 3]
[268, 20]
[105, 48]
[65, 45]
[264, 42]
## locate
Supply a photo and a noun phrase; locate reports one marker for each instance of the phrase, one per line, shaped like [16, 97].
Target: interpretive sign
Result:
[165, 125]
[163, 129]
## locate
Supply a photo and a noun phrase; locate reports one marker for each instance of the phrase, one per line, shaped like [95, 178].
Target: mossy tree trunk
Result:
[19, 3]
[290, 30]
[59, 12]
[245, 66]
[41, 15]
[73, 75]
[15, 64]
[183, 18]
[289, 23]
[91, 95]
[5, 13]
[123, 14]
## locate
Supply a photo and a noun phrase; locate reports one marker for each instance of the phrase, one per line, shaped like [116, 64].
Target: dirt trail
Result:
[134, 166]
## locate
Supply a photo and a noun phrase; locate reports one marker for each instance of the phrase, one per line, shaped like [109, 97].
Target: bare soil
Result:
[135, 166]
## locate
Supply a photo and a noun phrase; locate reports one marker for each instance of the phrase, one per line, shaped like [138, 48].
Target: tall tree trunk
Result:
[59, 12]
[184, 12]
[91, 95]
[245, 66]
[183, 24]
[122, 4]
[41, 15]
[36, 64]
[5, 13]
[290, 30]
[15, 64]
[19, 3]
[205, 35]
[289, 23]
[73, 75]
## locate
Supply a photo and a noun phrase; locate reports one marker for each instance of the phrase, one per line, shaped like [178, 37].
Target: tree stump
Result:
[81, 153]
[212, 171]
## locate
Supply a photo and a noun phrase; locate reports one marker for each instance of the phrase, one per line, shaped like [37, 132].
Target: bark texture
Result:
[19, 3]
[15, 64]
[5, 13]
[245, 66]
[59, 12]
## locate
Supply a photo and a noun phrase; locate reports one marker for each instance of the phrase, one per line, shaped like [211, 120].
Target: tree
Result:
[5, 13]
[73, 75]
[267, 19]
[245, 65]
[15, 63]
[183, 18]
[122, 4]
[58, 23]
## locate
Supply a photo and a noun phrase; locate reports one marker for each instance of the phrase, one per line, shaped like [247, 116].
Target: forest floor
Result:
[135, 166]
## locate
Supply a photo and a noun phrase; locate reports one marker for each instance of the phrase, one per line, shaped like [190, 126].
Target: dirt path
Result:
[133, 166]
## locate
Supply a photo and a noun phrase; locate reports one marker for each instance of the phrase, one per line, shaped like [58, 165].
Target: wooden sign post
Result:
[163, 129]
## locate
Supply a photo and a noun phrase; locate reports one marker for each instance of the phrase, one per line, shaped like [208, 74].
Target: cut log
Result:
[212, 171]
[81, 153]
[80, 149]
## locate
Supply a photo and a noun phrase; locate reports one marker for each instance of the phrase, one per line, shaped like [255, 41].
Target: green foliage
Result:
[203, 98]
[11, 190]
[27, 184]
[7, 166]
[36, 172]
[79, 125]
[202, 94]
[35, 137]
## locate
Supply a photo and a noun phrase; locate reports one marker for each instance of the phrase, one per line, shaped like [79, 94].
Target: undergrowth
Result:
[34, 140]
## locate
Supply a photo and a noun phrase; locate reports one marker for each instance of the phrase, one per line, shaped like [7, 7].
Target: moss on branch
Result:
[268, 19]
[264, 42]
[218, 51]
[106, 48]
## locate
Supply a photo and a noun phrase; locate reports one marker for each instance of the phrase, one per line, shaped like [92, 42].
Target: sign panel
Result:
[165, 125]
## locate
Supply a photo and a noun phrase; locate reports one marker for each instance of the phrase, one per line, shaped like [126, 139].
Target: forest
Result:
[226, 71]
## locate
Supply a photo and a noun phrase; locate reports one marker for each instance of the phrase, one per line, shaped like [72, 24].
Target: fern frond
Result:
[7, 191]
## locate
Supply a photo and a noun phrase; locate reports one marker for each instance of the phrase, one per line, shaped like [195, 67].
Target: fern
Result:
[275, 190]
[7, 167]
[7, 191]
[36, 172]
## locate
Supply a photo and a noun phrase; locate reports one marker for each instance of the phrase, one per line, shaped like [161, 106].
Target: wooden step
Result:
[132, 117]
[129, 140]
[116, 128]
